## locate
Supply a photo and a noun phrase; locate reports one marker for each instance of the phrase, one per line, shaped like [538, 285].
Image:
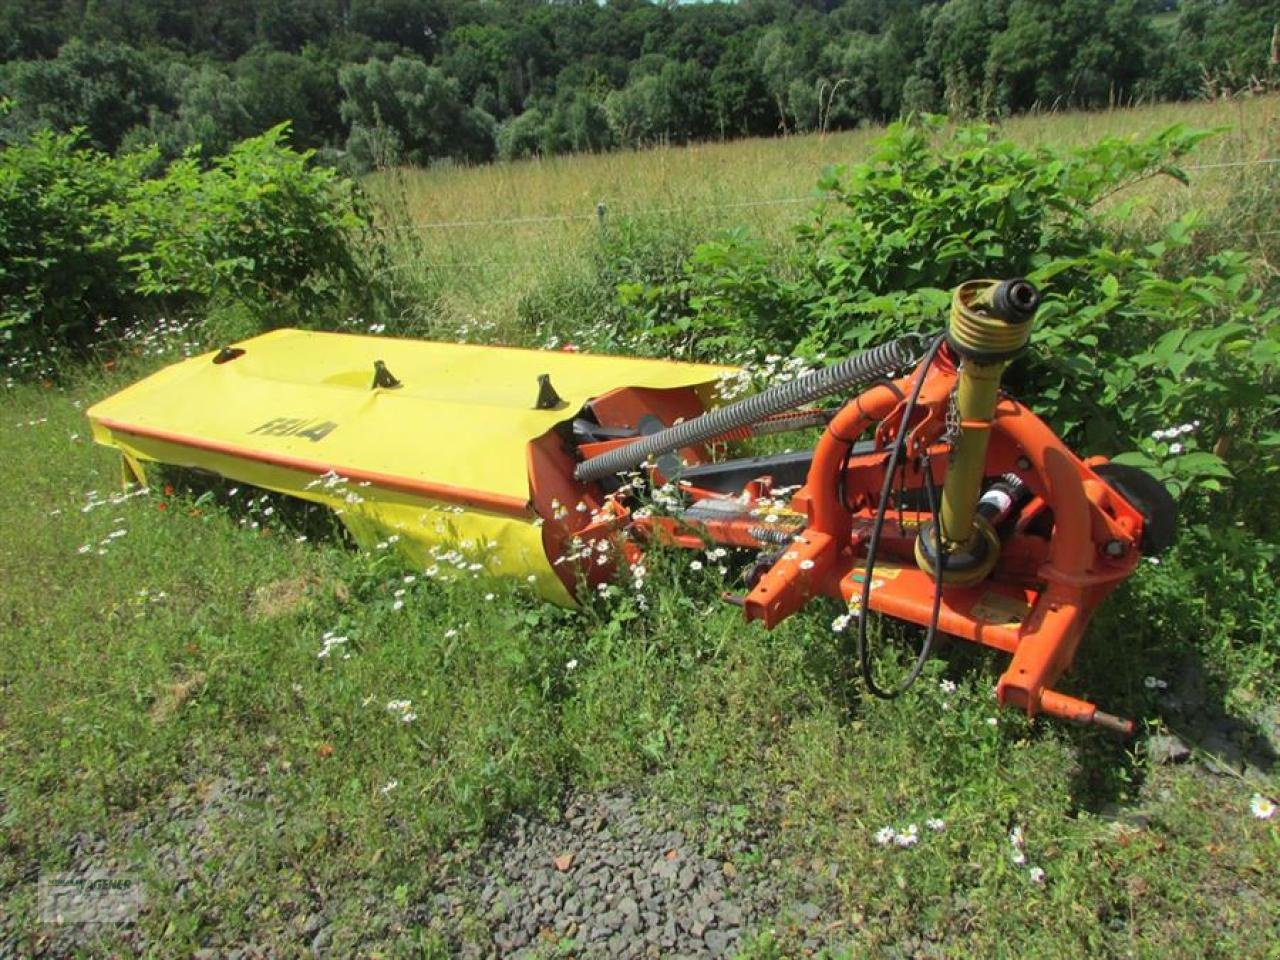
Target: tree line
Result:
[380, 82]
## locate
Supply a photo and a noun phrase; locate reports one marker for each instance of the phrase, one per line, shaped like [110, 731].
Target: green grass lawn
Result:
[158, 648]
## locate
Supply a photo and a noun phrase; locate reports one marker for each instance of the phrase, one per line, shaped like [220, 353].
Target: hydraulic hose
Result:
[871, 365]
[873, 549]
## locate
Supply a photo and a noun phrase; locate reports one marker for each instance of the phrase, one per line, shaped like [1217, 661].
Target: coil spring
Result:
[871, 365]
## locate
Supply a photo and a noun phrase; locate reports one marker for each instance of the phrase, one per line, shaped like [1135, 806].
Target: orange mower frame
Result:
[1036, 574]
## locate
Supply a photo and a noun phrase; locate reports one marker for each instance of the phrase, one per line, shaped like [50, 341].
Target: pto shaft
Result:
[990, 325]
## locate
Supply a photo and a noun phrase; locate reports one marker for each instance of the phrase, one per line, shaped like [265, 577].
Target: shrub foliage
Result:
[1129, 343]
[88, 240]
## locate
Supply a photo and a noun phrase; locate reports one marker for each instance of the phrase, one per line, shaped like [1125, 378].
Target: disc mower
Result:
[931, 497]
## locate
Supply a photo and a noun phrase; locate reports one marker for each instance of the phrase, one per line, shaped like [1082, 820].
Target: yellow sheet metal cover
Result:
[461, 418]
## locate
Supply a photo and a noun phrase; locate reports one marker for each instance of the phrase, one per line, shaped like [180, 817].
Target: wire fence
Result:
[601, 211]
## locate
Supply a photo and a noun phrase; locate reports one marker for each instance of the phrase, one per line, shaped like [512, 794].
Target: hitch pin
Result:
[1109, 721]
[1086, 714]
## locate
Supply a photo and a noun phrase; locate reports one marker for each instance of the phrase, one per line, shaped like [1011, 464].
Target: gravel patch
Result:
[180, 831]
[620, 875]
[617, 874]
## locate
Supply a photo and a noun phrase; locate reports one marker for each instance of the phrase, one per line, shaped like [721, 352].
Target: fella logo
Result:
[313, 430]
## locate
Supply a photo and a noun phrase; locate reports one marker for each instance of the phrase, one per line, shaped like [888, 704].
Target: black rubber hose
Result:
[872, 365]
[873, 548]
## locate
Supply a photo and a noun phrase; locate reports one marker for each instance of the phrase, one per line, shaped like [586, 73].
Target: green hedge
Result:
[89, 242]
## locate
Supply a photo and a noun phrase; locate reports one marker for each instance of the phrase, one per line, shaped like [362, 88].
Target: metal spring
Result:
[871, 365]
[774, 535]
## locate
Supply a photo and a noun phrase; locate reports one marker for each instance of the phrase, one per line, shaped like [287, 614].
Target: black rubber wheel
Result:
[1149, 497]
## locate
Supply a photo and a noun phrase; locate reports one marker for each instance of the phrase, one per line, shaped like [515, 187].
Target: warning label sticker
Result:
[882, 571]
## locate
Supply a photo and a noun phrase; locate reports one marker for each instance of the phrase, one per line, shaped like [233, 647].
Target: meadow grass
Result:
[153, 670]
[480, 238]
[186, 656]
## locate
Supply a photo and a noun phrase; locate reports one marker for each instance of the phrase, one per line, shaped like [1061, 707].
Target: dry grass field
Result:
[490, 233]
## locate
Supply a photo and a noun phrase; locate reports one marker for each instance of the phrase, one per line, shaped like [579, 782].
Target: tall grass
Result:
[476, 240]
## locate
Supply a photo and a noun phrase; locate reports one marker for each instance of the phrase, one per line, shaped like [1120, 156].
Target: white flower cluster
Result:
[94, 500]
[106, 542]
[638, 572]
[948, 688]
[337, 484]
[158, 338]
[330, 642]
[908, 837]
[584, 550]
[475, 329]
[1018, 854]
[32, 363]
[1172, 433]
[713, 556]
[403, 710]
[773, 370]
[459, 558]
[256, 507]
[667, 497]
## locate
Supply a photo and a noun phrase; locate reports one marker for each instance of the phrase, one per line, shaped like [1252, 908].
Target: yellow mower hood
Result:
[439, 458]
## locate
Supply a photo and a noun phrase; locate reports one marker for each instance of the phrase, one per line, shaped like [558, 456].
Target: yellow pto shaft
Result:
[990, 325]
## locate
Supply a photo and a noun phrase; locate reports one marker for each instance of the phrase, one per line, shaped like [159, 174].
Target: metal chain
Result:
[952, 430]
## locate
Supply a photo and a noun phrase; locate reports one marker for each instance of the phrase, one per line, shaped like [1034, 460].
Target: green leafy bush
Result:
[896, 233]
[88, 241]
[1173, 373]
[1183, 339]
[61, 275]
[262, 227]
